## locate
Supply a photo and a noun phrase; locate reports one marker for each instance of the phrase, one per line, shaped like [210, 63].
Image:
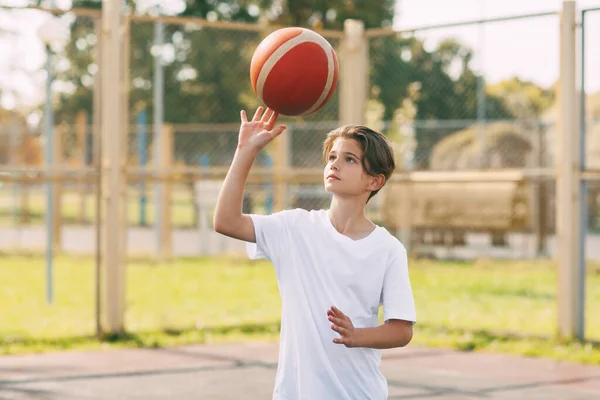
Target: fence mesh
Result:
[449, 100]
[592, 255]
[23, 141]
[591, 121]
[440, 95]
[592, 90]
[452, 86]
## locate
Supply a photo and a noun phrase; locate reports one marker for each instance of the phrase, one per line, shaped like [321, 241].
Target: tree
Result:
[207, 76]
[447, 86]
[330, 14]
[524, 99]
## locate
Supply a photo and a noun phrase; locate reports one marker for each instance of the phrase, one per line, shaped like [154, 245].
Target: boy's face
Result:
[344, 174]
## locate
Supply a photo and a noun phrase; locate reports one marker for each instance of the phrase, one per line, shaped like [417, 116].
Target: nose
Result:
[334, 164]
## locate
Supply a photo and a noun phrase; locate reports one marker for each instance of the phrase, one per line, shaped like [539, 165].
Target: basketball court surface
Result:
[247, 371]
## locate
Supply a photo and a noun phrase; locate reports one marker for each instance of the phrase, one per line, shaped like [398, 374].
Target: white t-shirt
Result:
[317, 267]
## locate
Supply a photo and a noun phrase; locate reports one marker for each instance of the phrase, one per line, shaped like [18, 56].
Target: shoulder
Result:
[391, 244]
[303, 221]
[291, 216]
[290, 213]
[296, 214]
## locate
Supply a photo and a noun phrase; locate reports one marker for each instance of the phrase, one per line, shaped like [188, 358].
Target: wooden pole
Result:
[281, 165]
[113, 177]
[80, 132]
[165, 162]
[354, 54]
[568, 218]
[405, 223]
[97, 161]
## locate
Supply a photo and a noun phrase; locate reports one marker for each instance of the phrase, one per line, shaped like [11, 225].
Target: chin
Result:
[335, 192]
[329, 188]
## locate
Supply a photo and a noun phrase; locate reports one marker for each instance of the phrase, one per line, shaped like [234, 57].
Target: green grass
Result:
[469, 306]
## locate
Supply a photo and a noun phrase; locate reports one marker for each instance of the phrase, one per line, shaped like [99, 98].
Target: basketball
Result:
[294, 71]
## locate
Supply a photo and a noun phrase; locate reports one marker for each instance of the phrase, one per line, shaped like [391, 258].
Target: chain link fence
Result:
[449, 98]
[436, 93]
[591, 116]
[447, 84]
[446, 97]
[24, 88]
[590, 120]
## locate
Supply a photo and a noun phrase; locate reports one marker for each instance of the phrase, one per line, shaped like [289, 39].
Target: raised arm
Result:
[253, 137]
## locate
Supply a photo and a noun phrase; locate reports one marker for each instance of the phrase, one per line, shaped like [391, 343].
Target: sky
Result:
[525, 48]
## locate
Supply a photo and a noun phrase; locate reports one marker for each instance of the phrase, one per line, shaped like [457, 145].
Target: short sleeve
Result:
[397, 297]
[271, 233]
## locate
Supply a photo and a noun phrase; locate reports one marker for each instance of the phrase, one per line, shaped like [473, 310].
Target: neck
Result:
[347, 215]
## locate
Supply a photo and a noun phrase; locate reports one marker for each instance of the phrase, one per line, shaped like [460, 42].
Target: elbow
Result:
[402, 332]
[219, 225]
[408, 337]
[224, 226]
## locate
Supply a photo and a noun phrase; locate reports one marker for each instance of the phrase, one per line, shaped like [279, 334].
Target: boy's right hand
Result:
[256, 134]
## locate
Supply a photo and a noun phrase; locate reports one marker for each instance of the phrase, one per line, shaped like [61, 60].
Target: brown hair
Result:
[377, 157]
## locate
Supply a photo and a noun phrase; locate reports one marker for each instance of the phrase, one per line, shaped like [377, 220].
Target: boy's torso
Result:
[320, 268]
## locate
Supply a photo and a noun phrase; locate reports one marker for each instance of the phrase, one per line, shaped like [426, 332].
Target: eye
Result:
[331, 157]
[350, 159]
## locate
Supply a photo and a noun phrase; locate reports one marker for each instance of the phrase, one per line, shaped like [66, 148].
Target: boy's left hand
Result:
[342, 325]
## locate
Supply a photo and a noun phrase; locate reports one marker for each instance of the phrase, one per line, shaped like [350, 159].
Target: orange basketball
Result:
[294, 71]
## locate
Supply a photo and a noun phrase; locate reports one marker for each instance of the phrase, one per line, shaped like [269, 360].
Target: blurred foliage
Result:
[206, 73]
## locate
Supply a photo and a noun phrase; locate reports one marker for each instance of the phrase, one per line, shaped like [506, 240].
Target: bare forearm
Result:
[229, 203]
[254, 135]
[386, 336]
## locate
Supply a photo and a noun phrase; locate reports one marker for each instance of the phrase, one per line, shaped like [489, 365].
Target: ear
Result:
[376, 182]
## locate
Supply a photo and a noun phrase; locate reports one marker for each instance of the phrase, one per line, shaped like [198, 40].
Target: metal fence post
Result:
[57, 155]
[158, 117]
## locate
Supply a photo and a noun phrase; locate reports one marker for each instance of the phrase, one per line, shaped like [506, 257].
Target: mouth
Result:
[333, 177]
